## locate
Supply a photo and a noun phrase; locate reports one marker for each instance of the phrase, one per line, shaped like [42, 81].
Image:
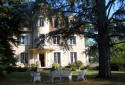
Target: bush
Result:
[85, 67]
[73, 68]
[65, 68]
[17, 69]
[56, 65]
[33, 67]
[115, 67]
[91, 68]
[78, 64]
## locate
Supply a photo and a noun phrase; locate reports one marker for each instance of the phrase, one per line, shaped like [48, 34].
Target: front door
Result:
[42, 60]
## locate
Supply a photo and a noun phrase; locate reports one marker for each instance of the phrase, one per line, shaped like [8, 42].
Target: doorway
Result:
[42, 59]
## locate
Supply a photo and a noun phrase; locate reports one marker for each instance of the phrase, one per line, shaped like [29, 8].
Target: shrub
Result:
[33, 67]
[115, 67]
[17, 69]
[73, 68]
[78, 64]
[85, 67]
[56, 65]
[65, 68]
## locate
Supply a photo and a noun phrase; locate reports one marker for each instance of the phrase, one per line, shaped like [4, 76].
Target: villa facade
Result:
[50, 52]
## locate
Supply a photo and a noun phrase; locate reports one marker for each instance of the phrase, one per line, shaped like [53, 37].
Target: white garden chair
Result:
[82, 75]
[35, 77]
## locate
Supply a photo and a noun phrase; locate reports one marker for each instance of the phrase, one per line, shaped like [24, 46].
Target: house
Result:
[27, 53]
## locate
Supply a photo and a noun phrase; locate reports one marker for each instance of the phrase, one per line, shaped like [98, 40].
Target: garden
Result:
[23, 78]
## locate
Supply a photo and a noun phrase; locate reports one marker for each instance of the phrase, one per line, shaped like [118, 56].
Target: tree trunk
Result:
[103, 40]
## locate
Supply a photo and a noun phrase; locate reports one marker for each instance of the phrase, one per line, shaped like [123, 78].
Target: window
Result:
[56, 23]
[42, 38]
[73, 40]
[73, 56]
[71, 23]
[41, 22]
[23, 40]
[24, 58]
[57, 56]
[56, 39]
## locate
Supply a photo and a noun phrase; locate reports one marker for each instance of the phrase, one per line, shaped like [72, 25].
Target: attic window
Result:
[42, 38]
[71, 23]
[56, 23]
[41, 21]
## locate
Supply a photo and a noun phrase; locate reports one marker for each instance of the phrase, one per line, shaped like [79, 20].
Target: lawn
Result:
[23, 78]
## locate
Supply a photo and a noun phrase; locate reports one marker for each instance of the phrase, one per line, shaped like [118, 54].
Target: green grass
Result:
[6, 84]
[89, 72]
[92, 72]
[21, 75]
[119, 76]
[119, 72]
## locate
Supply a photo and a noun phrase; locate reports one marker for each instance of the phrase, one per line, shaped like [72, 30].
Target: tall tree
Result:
[10, 23]
[93, 18]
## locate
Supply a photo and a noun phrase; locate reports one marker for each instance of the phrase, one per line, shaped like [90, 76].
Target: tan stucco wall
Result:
[65, 55]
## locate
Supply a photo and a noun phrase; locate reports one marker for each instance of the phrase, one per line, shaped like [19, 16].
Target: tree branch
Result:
[117, 43]
[110, 3]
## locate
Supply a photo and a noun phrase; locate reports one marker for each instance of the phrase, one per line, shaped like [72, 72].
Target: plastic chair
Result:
[35, 77]
[81, 75]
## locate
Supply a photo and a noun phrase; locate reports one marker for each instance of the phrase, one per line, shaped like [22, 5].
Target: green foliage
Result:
[117, 57]
[66, 68]
[73, 67]
[95, 19]
[56, 65]
[10, 23]
[78, 64]
[115, 66]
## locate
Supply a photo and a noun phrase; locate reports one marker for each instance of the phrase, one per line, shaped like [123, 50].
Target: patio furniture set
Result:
[35, 76]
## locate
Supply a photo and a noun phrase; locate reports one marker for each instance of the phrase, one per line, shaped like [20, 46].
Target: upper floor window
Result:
[42, 38]
[56, 39]
[73, 56]
[56, 23]
[57, 57]
[41, 21]
[24, 58]
[24, 40]
[71, 23]
[73, 40]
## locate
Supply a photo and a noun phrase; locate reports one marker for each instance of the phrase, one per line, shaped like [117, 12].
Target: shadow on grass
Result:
[6, 84]
[23, 78]
[119, 77]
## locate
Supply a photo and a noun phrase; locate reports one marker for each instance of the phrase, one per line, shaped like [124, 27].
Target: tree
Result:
[10, 25]
[117, 57]
[94, 19]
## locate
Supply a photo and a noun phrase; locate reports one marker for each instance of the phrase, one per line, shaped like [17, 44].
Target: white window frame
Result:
[24, 58]
[73, 57]
[72, 40]
[56, 60]
[56, 40]
[71, 23]
[41, 22]
[54, 23]
[24, 40]
[42, 38]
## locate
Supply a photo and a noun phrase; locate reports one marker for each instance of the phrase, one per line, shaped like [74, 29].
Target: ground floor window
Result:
[73, 57]
[57, 56]
[24, 58]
